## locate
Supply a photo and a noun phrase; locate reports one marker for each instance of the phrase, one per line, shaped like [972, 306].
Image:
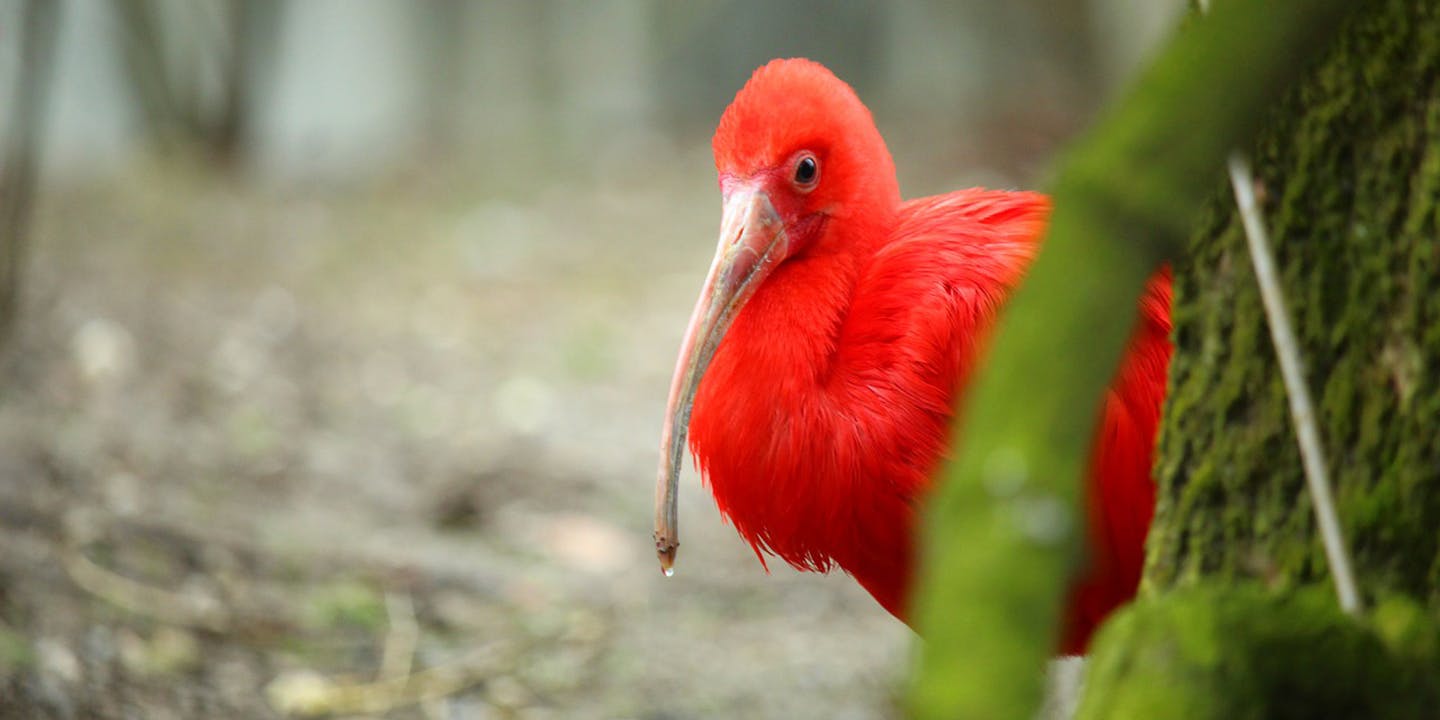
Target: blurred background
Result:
[336, 336]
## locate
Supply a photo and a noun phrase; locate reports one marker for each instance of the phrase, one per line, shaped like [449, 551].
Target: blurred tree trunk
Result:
[253, 26]
[235, 38]
[445, 55]
[143, 50]
[39, 24]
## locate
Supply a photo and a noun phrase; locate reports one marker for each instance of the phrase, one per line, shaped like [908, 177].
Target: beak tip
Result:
[665, 550]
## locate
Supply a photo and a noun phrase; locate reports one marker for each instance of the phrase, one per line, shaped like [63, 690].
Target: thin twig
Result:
[1307, 435]
[145, 600]
[307, 693]
[403, 636]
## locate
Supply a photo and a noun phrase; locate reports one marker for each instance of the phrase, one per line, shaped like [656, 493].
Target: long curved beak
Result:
[752, 243]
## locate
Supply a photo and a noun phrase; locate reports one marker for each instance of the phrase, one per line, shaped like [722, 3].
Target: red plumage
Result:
[826, 408]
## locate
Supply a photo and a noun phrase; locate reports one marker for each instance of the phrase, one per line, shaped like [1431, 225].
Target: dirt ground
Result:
[383, 451]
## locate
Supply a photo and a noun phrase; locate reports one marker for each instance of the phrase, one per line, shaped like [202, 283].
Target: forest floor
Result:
[383, 451]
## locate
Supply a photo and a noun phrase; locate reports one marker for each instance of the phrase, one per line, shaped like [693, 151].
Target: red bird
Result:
[830, 344]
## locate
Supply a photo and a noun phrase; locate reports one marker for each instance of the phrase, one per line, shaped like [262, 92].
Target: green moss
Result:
[344, 604]
[1239, 652]
[15, 651]
[1350, 169]
[1407, 628]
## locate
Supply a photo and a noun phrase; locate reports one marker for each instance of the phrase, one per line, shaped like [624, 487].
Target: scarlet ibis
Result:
[824, 360]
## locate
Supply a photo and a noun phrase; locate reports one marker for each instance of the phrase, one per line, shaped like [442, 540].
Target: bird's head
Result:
[799, 138]
[803, 171]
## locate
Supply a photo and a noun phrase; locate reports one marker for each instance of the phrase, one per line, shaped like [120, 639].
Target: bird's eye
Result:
[807, 172]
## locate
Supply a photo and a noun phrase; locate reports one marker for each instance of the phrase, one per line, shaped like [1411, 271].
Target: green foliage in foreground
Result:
[1239, 652]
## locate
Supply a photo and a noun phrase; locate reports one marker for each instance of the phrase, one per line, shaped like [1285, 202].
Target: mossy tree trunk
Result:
[998, 540]
[1349, 173]
[1237, 617]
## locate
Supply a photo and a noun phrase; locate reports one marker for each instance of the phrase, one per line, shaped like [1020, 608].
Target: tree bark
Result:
[21, 160]
[1349, 167]
[1237, 617]
[1000, 533]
